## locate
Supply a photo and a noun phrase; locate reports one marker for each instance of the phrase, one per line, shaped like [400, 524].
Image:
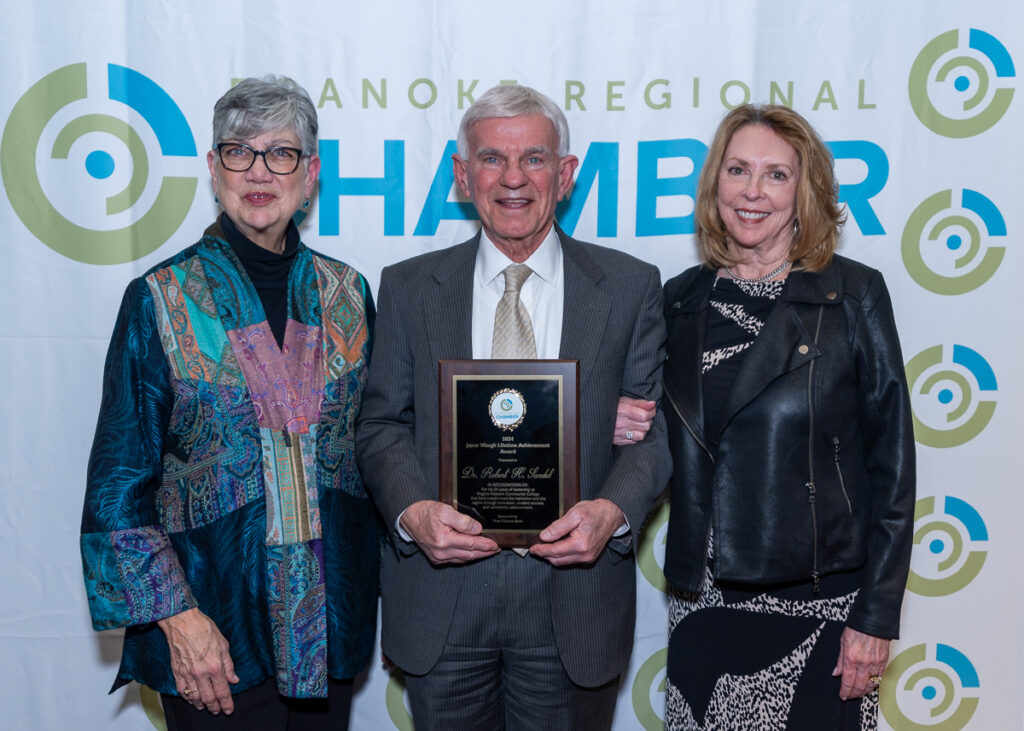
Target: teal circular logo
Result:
[929, 689]
[959, 90]
[77, 166]
[949, 248]
[950, 546]
[952, 395]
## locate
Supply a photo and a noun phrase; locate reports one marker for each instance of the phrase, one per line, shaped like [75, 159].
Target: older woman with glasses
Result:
[225, 523]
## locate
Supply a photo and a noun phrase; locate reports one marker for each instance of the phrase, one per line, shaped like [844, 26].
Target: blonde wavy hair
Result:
[819, 217]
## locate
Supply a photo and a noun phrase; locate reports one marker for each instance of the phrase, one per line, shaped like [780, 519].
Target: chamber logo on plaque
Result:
[508, 407]
[515, 472]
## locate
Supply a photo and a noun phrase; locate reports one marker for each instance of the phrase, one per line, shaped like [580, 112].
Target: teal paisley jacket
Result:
[222, 474]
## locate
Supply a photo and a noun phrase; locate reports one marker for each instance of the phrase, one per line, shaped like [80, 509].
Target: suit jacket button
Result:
[831, 296]
[803, 349]
[676, 305]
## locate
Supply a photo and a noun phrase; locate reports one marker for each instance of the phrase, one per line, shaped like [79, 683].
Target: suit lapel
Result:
[585, 306]
[448, 303]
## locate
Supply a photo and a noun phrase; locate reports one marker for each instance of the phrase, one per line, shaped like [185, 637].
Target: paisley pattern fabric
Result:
[147, 561]
[211, 456]
[298, 615]
[286, 384]
[218, 459]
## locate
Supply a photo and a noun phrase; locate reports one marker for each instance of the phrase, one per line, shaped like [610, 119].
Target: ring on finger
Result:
[876, 678]
[629, 435]
[190, 691]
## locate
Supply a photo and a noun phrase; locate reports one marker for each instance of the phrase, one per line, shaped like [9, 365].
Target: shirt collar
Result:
[544, 261]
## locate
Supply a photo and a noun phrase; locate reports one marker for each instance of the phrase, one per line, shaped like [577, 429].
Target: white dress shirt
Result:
[542, 294]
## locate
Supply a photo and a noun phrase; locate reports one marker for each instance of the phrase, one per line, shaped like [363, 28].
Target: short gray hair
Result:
[254, 106]
[513, 100]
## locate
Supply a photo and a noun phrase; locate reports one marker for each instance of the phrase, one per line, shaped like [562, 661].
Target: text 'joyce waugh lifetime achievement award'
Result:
[509, 443]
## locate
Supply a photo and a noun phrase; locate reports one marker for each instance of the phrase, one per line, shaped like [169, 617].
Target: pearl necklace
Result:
[764, 277]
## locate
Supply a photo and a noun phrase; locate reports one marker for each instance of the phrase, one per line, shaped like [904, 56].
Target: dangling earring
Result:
[216, 200]
[305, 204]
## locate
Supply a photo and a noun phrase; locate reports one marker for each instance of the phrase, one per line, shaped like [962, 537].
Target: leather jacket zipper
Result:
[812, 492]
[839, 472]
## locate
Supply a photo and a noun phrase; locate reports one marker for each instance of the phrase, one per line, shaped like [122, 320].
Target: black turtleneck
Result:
[267, 270]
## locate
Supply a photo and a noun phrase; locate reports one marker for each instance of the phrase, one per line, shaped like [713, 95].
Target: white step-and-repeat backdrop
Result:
[106, 110]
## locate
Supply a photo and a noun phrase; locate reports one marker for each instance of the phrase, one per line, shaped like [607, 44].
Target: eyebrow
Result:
[539, 149]
[744, 161]
[279, 142]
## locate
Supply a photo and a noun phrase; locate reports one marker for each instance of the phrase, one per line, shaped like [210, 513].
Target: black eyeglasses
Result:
[238, 158]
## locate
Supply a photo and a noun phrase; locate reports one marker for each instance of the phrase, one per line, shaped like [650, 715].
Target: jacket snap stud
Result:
[803, 349]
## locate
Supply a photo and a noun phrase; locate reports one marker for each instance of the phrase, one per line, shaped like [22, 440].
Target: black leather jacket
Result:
[814, 471]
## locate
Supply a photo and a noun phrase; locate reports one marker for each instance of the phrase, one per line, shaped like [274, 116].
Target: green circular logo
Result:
[650, 554]
[394, 701]
[949, 547]
[929, 689]
[947, 248]
[961, 91]
[649, 691]
[79, 176]
[952, 395]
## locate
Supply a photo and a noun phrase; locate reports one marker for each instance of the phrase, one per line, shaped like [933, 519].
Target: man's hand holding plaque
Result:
[579, 536]
[445, 535]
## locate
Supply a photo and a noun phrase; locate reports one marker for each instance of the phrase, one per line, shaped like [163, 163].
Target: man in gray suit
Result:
[489, 639]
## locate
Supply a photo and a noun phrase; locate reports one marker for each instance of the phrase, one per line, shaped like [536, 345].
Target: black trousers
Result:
[262, 708]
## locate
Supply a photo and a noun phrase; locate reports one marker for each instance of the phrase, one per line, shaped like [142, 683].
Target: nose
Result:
[753, 188]
[259, 170]
[513, 176]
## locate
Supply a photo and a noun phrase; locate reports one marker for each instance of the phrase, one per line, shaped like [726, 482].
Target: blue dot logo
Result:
[930, 687]
[952, 395]
[113, 181]
[955, 543]
[961, 90]
[100, 164]
[953, 243]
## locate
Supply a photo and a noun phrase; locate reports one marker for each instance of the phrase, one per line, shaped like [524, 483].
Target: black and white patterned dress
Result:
[745, 657]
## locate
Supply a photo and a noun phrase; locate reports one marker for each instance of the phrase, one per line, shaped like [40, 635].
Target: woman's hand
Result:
[200, 661]
[632, 420]
[861, 657]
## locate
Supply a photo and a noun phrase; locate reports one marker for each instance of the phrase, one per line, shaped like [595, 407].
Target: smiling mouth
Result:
[752, 216]
[259, 198]
[514, 202]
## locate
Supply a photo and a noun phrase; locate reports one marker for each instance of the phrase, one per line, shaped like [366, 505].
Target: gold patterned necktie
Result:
[513, 332]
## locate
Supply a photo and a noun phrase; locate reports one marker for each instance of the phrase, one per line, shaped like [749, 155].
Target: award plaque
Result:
[509, 443]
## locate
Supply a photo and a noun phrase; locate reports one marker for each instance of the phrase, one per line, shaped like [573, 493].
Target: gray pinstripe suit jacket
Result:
[612, 323]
